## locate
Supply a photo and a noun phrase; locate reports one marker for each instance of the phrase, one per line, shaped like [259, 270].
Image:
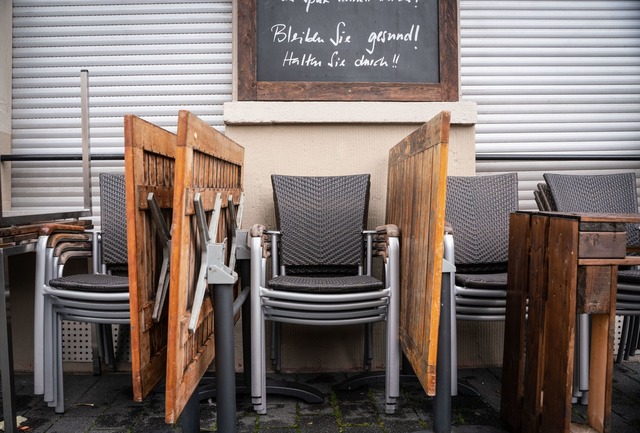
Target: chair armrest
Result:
[260, 231]
[49, 228]
[388, 230]
[257, 230]
[381, 239]
[448, 228]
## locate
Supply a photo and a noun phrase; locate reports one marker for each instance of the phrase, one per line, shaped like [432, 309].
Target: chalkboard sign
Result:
[331, 40]
[348, 50]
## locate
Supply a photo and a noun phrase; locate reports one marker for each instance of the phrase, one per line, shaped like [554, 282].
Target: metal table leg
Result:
[225, 369]
[442, 402]
[6, 348]
[6, 354]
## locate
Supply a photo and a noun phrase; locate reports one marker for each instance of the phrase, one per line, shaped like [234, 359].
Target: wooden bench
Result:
[149, 168]
[207, 163]
[416, 198]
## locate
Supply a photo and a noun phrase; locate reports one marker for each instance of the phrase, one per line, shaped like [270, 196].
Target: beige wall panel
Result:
[335, 149]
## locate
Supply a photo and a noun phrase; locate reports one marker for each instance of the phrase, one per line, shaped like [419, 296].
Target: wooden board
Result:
[206, 162]
[149, 167]
[416, 197]
[545, 268]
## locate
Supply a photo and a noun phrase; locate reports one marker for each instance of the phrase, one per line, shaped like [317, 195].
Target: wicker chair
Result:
[611, 193]
[478, 209]
[100, 298]
[318, 269]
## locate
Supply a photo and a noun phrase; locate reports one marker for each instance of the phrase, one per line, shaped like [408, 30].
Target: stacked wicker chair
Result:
[101, 297]
[610, 193]
[319, 275]
[478, 209]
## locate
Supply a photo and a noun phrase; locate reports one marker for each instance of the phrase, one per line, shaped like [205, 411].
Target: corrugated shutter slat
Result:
[148, 57]
[553, 77]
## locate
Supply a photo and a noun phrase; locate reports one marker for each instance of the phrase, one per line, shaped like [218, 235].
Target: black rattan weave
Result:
[92, 283]
[478, 209]
[483, 281]
[113, 216]
[608, 193]
[349, 284]
[321, 219]
[631, 276]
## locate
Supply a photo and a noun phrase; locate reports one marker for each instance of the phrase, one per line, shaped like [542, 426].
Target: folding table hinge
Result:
[164, 236]
[213, 269]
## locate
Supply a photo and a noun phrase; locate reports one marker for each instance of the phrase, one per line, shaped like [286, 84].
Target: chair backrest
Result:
[321, 219]
[478, 209]
[113, 217]
[608, 193]
[543, 198]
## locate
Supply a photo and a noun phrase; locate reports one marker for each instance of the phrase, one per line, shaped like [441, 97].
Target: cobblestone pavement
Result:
[103, 404]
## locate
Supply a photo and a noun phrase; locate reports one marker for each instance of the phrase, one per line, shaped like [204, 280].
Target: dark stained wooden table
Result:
[560, 265]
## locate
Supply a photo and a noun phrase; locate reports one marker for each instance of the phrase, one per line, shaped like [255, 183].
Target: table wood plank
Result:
[562, 250]
[416, 195]
[149, 166]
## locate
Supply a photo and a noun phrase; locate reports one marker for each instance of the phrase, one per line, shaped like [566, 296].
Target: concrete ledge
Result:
[261, 113]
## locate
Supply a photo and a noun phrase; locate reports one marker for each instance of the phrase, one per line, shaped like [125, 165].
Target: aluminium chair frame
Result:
[76, 239]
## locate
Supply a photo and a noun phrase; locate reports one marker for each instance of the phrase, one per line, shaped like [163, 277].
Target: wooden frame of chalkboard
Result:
[251, 88]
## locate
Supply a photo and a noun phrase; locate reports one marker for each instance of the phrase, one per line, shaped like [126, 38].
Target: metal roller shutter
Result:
[149, 58]
[559, 78]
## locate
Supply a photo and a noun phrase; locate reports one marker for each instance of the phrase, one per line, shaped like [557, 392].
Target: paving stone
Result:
[279, 415]
[155, 424]
[405, 426]
[248, 423]
[71, 424]
[356, 411]
[315, 409]
[120, 416]
[366, 427]
[319, 424]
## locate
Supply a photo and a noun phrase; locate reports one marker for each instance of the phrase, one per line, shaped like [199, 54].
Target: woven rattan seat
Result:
[350, 284]
[92, 282]
[482, 281]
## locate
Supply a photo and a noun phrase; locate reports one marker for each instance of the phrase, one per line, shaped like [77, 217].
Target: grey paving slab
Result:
[104, 404]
